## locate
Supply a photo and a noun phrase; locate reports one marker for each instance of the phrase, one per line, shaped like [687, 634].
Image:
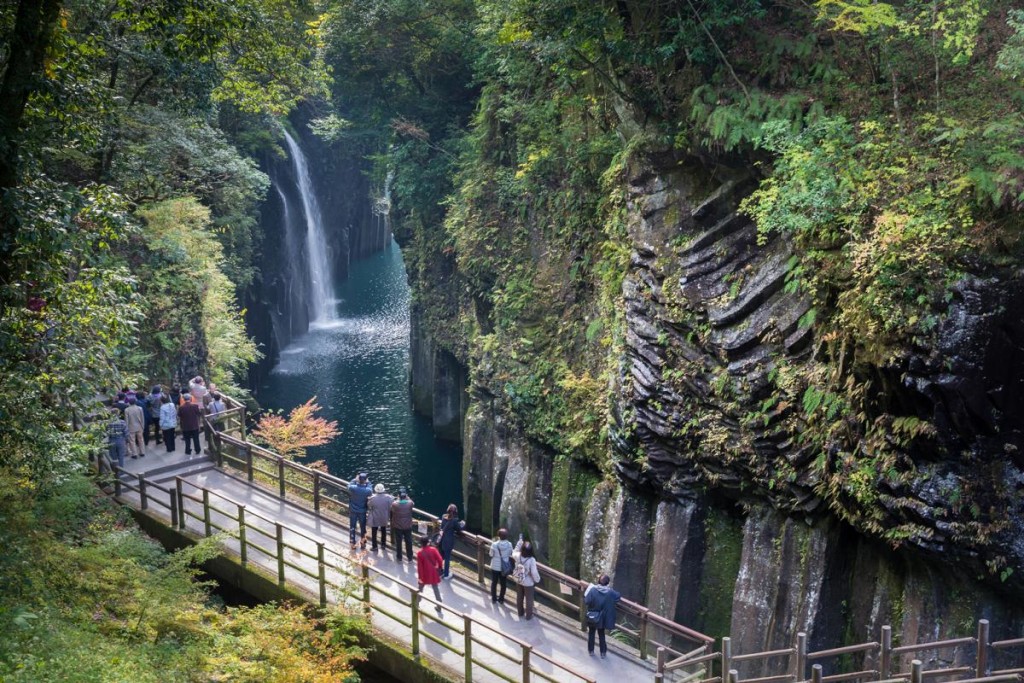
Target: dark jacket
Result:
[602, 599]
[188, 417]
[401, 514]
[449, 527]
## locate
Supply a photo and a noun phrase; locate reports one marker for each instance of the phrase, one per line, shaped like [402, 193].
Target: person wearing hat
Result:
[359, 492]
[401, 523]
[379, 509]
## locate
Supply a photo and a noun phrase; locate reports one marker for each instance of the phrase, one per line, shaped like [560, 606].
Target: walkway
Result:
[558, 645]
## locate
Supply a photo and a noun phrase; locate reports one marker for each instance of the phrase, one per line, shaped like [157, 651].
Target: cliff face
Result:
[278, 306]
[719, 514]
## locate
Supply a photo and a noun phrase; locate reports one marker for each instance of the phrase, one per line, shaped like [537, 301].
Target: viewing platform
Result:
[288, 524]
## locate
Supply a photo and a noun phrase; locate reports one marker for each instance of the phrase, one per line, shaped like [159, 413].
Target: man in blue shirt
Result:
[359, 491]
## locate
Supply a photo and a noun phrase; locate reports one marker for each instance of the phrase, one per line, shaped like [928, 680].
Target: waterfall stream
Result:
[321, 281]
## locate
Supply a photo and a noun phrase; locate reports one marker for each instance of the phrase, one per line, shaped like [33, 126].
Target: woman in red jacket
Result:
[428, 569]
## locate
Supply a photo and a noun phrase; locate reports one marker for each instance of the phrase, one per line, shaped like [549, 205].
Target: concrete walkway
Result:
[550, 635]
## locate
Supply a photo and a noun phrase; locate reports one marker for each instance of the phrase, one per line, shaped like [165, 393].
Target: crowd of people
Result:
[137, 416]
[372, 505]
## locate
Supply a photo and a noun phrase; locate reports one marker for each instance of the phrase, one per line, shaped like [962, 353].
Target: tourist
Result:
[378, 511]
[117, 434]
[135, 419]
[501, 565]
[142, 401]
[168, 421]
[600, 599]
[527, 577]
[214, 410]
[190, 416]
[155, 401]
[450, 525]
[401, 523]
[176, 395]
[129, 394]
[359, 491]
[121, 403]
[428, 569]
[197, 389]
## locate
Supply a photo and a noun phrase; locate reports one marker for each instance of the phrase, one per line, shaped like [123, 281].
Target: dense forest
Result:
[755, 256]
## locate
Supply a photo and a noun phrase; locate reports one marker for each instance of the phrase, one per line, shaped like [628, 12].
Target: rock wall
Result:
[721, 522]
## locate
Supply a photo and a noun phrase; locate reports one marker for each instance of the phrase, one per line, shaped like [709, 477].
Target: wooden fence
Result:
[680, 654]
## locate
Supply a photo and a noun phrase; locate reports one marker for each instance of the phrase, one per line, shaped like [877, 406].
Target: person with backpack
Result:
[501, 565]
[527, 576]
[600, 599]
[450, 525]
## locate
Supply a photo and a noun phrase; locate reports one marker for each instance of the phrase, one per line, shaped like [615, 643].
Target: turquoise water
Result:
[358, 368]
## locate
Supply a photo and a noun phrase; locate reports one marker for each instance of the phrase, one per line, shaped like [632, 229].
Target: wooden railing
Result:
[882, 653]
[641, 629]
[681, 654]
[300, 558]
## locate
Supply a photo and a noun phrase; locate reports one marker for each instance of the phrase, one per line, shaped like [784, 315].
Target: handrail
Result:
[798, 654]
[242, 521]
[477, 542]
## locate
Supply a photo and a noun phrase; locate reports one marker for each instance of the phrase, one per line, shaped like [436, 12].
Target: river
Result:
[357, 365]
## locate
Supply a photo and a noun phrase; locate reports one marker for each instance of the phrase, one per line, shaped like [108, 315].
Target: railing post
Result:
[660, 667]
[415, 605]
[117, 479]
[241, 425]
[243, 551]
[916, 669]
[365, 570]
[527, 649]
[316, 492]
[181, 502]
[248, 461]
[734, 675]
[580, 590]
[280, 554]
[218, 447]
[280, 475]
[816, 674]
[800, 659]
[142, 492]
[726, 656]
[982, 663]
[643, 633]
[174, 509]
[885, 666]
[480, 561]
[206, 512]
[321, 573]
[467, 648]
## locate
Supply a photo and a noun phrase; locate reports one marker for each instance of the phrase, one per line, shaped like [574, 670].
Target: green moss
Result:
[571, 487]
[723, 537]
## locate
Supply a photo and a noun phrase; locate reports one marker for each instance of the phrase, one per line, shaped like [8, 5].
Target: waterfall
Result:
[321, 282]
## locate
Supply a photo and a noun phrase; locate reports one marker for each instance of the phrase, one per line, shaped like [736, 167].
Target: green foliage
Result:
[88, 597]
[63, 321]
[191, 307]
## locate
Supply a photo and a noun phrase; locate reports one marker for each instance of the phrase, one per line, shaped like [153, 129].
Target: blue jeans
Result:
[117, 451]
[353, 519]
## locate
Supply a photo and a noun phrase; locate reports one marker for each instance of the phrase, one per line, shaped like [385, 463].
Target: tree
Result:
[303, 429]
